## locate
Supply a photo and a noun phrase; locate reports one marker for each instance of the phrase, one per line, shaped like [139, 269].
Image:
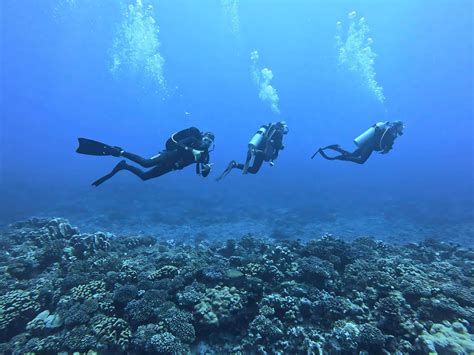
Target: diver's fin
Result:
[231, 166]
[118, 167]
[91, 147]
[332, 146]
[318, 151]
[102, 180]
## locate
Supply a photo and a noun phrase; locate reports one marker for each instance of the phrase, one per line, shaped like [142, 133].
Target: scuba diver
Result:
[380, 138]
[264, 146]
[182, 149]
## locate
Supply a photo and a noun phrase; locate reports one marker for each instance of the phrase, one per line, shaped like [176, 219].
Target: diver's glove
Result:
[197, 154]
[206, 169]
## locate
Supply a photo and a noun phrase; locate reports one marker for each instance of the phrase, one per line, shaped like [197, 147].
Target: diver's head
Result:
[207, 139]
[388, 139]
[397, 128]
[283, 126]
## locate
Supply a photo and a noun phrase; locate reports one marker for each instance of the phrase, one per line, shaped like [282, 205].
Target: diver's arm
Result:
[187, 143]
[203, 167]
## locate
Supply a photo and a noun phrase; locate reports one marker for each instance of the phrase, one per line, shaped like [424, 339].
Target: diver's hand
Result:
[206, 169]
[197, 154]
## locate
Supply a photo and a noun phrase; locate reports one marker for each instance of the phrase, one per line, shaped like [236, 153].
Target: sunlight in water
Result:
[356, 54]
[231, 13]
[263, 78]
[136, 46]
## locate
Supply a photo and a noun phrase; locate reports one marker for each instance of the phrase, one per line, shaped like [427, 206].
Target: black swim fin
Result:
[91, 147]
[231, 166]
[118, 167]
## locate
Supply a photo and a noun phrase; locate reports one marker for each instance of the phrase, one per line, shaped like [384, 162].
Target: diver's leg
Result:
[257, 164]
[118, 167]
[233, 164]
[239, 166]
[337, 148]
[146, 163]
[248, 160]
[325, 156]
[163, 163]
[359, 156]
[156, 171]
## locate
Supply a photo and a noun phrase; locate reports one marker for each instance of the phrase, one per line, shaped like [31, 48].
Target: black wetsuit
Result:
[177, 155]
[380, 142]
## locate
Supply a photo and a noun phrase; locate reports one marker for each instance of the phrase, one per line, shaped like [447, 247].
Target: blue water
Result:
[57, 85]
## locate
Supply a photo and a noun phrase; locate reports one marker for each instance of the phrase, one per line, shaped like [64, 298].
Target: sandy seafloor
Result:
[176, 214]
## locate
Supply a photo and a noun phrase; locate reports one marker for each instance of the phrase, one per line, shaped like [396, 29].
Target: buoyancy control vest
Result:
[172, 142]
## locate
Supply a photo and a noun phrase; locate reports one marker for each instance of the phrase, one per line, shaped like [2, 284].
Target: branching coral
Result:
[113, 332]
[167, 343]
[16, 308]
[167, 271]
[92, 289]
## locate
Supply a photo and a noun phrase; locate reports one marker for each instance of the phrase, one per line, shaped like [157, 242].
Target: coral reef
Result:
[446, 338]
[112, 332]
[16, 307]
[137, 295]
[219, 304]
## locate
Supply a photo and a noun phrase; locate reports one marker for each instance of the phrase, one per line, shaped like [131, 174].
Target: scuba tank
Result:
[257, 139]
[365, 137]
[254, 145]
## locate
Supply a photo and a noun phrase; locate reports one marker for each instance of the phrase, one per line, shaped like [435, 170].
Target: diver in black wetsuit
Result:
[264, 146]
[380, 138]
[182, 149]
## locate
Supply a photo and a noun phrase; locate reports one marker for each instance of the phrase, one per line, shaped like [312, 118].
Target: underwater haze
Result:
[309, 256]
[59, 83]
[92, 69]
